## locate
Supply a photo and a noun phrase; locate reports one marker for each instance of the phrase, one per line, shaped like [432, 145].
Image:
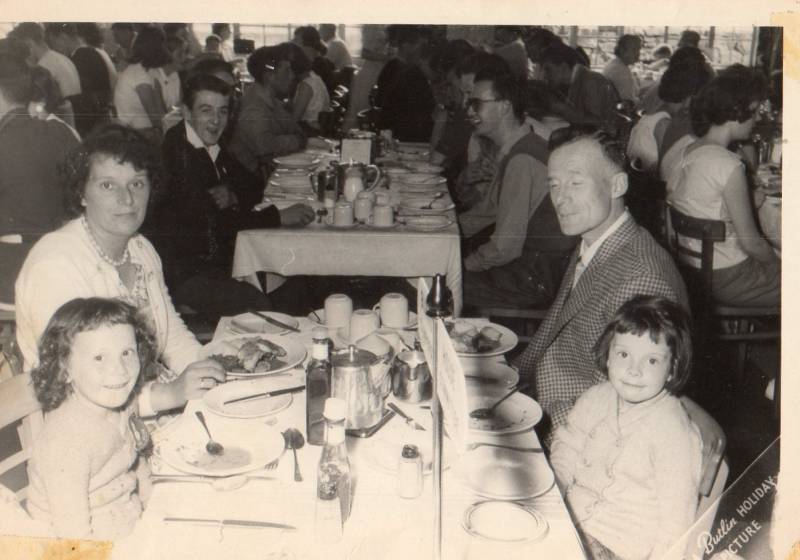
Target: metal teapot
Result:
[352, 381]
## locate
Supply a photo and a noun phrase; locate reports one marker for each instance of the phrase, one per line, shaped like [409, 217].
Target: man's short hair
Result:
[508, 87]
[483, 61]
[625, 42]
[90, 32]
[217, 28]
[173, 28]
[15, 78]
[559, 53]
[212, 38]
[689, 38]
[211, 66]
[204, 82]
[28, 30]
[612, 148]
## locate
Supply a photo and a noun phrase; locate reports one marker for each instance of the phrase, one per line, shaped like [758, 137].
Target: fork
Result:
[476, 445]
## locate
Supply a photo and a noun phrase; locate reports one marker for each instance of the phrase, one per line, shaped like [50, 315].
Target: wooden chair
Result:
[744, 324]
[20, 412]
[713, 476]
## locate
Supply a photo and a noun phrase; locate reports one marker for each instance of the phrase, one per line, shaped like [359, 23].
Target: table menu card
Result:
[356, 150]
[450, 387]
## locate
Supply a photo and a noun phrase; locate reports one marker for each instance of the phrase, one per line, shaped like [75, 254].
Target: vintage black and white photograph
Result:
[403, 285]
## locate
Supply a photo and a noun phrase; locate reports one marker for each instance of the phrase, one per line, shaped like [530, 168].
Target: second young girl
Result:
[628, 458]
[85, 471]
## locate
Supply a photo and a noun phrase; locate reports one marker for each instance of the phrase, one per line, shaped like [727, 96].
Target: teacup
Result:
[362, 323]
[393, 309]
[392, 337]
[382, 216]
[338, 309]
[362, 210]
[343, 214]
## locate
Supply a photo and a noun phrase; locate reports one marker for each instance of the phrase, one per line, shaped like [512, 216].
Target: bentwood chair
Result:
[20, 420]
[731, 324]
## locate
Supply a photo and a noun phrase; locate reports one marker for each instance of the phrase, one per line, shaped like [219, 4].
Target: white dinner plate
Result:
[423, 179]
[420, 190]
[251, 322]
[216, 397]
[488, 371]
[508, 339]
[515, 414]
[428, 223]
[249, 445]
[502, 521]
[424, 167]
[503, 474]
[291, 186]
[417, 204]
[297, 161]
[295, 352]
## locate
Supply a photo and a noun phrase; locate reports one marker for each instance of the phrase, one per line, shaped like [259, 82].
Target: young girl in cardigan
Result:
[85, 469]
[628, 459]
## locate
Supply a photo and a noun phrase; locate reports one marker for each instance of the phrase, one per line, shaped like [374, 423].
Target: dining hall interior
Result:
[255, 230]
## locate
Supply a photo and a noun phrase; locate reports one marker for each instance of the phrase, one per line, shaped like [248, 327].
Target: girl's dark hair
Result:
[660, 318]
[120, 142]
[149, 48]
[265, 56]
[727, 98]
[50, 377]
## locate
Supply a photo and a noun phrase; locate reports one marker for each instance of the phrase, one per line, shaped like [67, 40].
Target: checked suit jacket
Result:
[560, 358]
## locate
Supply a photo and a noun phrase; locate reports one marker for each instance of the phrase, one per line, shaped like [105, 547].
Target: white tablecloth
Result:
[382, 525]
[362, 251]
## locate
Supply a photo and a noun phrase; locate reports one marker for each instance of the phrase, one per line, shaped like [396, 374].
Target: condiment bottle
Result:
[318, 386]
[409, 472]
[333, 475]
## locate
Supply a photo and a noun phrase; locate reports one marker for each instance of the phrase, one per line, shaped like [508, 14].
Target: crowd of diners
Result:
[126, 171]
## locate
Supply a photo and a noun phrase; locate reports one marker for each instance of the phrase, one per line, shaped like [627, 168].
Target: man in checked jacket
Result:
[615, 260]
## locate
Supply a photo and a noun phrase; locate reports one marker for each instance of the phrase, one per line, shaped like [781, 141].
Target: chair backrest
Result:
[707, 232]
[20, 411]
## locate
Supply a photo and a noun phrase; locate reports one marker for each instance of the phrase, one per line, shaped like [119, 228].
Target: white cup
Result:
[393, 309]
[382, 216]
[343, 214]
[362, 210]
[338, 309]
[362, 323]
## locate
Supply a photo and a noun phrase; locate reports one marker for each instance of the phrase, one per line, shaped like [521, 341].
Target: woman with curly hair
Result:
[99, 253]
[85, 474]
[710, 183]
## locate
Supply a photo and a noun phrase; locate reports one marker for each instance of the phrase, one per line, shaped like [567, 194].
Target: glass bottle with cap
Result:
[318, 386]
[333, 473]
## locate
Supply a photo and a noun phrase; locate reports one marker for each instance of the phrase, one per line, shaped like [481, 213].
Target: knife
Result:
[410, 421]
[275, 322]
[266, 395]
[231, 522]
[367, 432]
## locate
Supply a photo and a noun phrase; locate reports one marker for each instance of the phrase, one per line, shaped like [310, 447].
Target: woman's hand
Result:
[195, 380]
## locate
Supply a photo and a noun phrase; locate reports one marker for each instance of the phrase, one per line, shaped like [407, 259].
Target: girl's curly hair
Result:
[50, 377]
[120, 142]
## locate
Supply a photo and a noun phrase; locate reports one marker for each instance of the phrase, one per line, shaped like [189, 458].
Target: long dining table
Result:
[381, 525]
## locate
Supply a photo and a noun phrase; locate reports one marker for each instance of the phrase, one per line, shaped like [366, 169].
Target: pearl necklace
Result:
[113, 262]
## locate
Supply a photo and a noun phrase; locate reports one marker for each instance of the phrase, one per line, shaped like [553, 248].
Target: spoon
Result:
[436, 197]
[294, 440]
[486, 413]
[212, 446]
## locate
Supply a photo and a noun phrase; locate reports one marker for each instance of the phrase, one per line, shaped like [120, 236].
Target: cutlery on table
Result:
[212, 446]
[409, 420]
[275, 322]
[224, 483]
[486, 413]
[265, 395]
[476, 445]
[294, 440]
[368, 432]
[231, 522]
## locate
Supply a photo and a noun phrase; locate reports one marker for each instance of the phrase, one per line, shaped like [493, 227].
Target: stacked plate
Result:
[298, 161]
[291, 180]
[426, 205]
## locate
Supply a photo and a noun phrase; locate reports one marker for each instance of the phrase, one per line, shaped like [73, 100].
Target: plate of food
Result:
[426, 205]
[427, 223]
[252, 323]
[504, 474]
[422, 179]
[297, 161]
[249, 445]
[488, 371]
[215, 398]
[252, 355]
[515, 414]
[479, 339]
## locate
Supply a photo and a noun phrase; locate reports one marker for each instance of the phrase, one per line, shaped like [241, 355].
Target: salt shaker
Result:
[409, 472]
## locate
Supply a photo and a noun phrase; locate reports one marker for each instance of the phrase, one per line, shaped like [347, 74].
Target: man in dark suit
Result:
[616, 260]
[208, 197]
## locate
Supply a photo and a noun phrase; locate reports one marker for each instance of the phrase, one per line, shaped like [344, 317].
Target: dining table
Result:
[381, 524]
[321, 248]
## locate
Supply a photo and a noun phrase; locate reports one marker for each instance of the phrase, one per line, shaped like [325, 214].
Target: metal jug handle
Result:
[375, 181]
